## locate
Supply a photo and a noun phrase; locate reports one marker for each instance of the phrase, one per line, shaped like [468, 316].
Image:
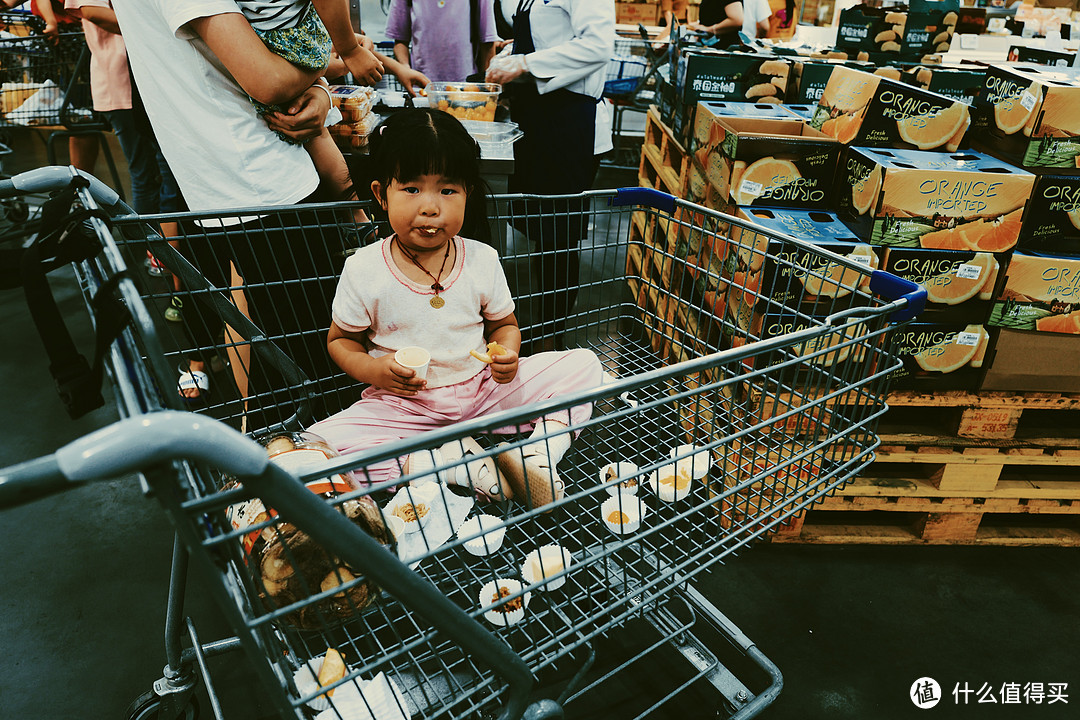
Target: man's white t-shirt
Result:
[373, 295]
[222, 153]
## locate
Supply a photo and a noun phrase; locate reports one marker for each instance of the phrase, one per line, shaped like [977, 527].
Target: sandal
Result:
[193, 380]
[531, 475]
[482, 475]
[174, 313]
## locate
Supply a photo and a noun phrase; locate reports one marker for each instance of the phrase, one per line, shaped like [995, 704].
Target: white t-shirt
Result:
[754, 11]
[222, 153]
[373, 295]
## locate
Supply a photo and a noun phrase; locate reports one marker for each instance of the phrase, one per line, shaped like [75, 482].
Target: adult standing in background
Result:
[446, 40]
[672, 11]
[558, 67]
[756, 14]
[723, 19]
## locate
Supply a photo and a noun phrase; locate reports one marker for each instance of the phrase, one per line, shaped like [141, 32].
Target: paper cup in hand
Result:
[414, 358]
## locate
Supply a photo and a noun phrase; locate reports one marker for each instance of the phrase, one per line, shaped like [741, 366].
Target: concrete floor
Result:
[85, 577]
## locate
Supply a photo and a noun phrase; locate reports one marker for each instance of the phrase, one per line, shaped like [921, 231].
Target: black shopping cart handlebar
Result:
[128, 446]
[56, 177]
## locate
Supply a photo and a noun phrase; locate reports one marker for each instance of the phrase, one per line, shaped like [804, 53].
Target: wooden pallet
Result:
[976, 469]
[867, 511]
[663, 159]
[986, 415]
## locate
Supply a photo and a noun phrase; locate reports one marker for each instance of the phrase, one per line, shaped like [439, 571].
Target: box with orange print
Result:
[960, 284]
[868, 110]
[946, 201]
[770, 162]
[786, 274]
[1041, 292]
[1052, 219]
[940, 356]
[1028, 115]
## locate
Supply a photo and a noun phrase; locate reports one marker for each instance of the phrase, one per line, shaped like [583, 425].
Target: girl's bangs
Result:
[429, 154]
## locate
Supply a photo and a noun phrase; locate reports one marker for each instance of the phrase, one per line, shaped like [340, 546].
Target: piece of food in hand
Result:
[493, 349]
[332, 670]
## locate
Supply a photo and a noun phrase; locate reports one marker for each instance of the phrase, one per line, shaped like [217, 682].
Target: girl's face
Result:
[425, 212]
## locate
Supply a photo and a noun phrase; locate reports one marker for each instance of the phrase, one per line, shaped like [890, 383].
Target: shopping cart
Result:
[45, 87]
[751, 427]
[630, 86]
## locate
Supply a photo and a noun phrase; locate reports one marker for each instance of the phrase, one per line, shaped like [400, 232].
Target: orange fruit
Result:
[980, 349]
[1010, 115]
[949, 289]
[950, 355]
[993, 234]
[844, 127]
[954, 142]
[1074, 215]
[838, 281]
[760, 175]
[1069, 323]
[864, 194]
[933, 130]
[947, 239]
[986, 292]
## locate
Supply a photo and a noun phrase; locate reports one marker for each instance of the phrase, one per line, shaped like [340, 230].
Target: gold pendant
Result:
[437, 302]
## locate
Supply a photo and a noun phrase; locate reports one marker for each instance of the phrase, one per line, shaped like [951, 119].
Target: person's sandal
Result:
[193, 380]
[531, 475]
[175, 311]
[482, 475]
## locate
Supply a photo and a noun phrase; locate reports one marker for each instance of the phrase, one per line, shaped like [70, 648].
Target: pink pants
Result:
[380, 416]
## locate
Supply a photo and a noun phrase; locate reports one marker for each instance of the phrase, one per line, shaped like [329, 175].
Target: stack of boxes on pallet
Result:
[964, 179]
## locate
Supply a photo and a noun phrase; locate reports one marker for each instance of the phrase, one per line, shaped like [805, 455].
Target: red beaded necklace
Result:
[436, 301]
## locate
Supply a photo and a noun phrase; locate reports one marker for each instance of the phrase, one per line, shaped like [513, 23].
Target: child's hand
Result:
[398, 379]
[504, 366]
[362, 63]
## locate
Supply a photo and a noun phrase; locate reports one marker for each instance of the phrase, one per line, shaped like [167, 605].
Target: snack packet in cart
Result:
[286, 564]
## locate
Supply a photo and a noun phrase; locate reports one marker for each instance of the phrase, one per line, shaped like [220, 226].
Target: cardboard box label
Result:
[716, 75]
[960, 284]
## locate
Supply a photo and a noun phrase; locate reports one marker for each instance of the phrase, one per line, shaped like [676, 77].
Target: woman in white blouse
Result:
[556, 73]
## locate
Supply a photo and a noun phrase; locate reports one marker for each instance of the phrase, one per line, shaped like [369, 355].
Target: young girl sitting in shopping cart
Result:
[427, 287]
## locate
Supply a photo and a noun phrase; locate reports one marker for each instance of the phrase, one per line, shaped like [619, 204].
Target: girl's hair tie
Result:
[382, 129]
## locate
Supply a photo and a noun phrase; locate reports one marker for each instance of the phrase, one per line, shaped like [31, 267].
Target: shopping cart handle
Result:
[55, 177]
[894, 288]
[128, 446]
[655, 199]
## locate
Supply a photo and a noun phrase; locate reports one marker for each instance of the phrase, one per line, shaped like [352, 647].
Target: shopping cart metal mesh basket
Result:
[725, 426]
[44, 82]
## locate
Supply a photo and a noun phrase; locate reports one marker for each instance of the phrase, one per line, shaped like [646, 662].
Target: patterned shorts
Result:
[307, 45]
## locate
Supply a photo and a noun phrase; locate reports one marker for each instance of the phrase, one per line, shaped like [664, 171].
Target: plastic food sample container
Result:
[465, 101]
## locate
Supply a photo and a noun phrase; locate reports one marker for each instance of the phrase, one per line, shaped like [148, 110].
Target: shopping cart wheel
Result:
[147, 705]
